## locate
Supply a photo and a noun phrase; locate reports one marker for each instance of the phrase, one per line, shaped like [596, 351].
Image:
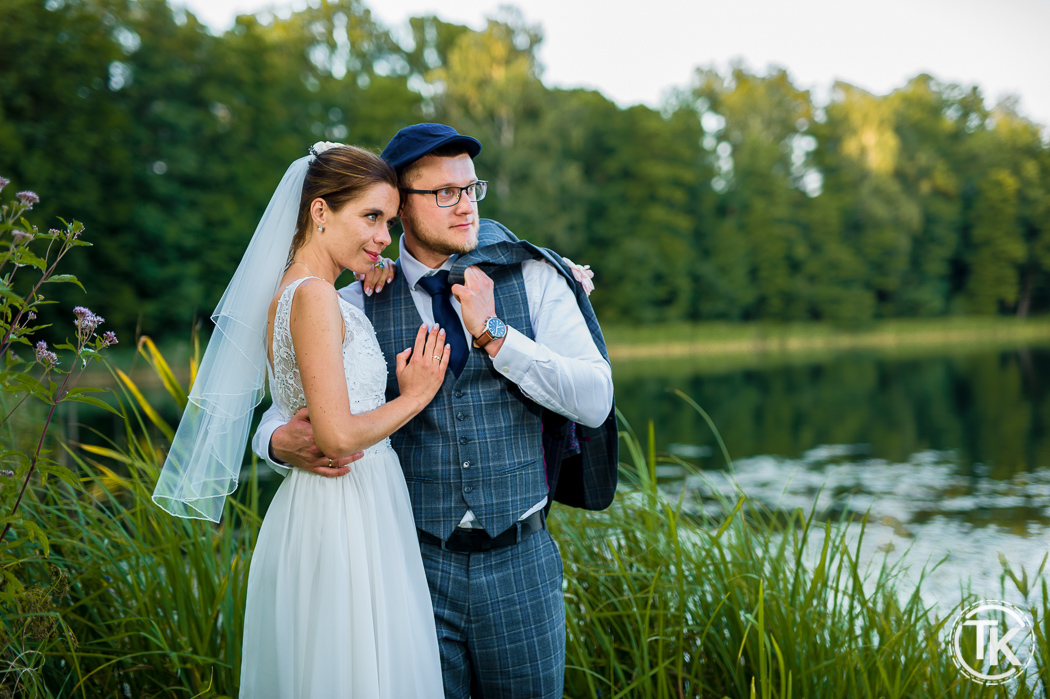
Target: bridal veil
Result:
[205, 458]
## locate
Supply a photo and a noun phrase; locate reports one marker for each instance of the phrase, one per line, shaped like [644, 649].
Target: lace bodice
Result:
[364, 366]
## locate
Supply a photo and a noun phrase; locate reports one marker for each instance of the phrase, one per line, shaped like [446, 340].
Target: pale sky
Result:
[634, 52]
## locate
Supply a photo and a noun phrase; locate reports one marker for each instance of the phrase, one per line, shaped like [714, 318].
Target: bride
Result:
[337, 601]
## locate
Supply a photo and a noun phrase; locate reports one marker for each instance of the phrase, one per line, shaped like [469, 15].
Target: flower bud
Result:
[45, 357]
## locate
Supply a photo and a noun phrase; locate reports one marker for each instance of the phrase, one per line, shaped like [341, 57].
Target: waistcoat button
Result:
[463, 440]
[461, 416]
[458, 394]
[466, 464]
[467, 489]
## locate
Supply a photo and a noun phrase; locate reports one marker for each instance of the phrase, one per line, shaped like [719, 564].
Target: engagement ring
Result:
[380, 265]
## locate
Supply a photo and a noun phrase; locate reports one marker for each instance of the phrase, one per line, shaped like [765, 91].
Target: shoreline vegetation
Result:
[755, 342]
[725, 346]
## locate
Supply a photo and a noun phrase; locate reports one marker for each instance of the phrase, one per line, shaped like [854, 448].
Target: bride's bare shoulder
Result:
[315, 310]
[313, 292]
[312, 289]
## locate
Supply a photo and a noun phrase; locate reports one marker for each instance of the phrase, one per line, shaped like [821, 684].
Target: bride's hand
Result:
[381, 274]
[421, 369]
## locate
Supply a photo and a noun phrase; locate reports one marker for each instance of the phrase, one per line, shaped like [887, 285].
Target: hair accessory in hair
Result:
[321, 146]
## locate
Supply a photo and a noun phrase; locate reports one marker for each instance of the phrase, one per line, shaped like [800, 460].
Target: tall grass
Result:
[154, 604]
[738, 601]
[665, 596]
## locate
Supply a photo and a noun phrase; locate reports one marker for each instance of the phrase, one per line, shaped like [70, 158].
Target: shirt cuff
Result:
[515, 356]
[275, 463]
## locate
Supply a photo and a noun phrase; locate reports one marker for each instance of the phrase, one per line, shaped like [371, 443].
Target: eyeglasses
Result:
[450, 196]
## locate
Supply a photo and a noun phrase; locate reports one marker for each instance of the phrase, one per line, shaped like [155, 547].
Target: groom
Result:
[525, 415]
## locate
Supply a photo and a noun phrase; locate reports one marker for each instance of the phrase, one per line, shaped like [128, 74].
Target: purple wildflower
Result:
[110, 338]
[4, 182]
[31, 316]
[86, 322]
[28, 198]
[8, 474]
[46, 357]
[20, 236]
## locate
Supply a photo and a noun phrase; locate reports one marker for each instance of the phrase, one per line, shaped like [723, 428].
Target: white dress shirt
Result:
[561, 369]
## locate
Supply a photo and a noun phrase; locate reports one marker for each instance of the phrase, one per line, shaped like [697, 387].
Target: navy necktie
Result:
[445, 315]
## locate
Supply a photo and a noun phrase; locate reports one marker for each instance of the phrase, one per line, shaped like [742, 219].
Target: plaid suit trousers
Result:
[500, 619]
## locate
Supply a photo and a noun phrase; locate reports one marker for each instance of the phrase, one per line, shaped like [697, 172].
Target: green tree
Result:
[930, 165]
[880, 220]
[763, 117]
[997, 244]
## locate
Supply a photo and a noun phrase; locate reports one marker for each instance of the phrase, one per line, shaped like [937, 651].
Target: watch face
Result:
[496, 327]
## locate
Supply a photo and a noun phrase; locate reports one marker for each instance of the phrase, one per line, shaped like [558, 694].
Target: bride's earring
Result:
[320, 229]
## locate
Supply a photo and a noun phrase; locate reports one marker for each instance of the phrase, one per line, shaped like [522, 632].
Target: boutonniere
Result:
[582, 274]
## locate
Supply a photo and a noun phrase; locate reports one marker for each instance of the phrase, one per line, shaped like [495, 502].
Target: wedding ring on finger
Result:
[437, 356]
[329, 462]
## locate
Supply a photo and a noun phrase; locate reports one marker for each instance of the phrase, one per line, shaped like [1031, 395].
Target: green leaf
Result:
[39, 535]
[8, 293]
[66, 279]
[16, 455]
[86, 389]
[90, 400]
[26, 257]
[11, 582]
[24, 382]
[61, 472]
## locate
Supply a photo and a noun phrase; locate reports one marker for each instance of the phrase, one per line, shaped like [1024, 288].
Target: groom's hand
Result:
[293, 443]
[477, 304]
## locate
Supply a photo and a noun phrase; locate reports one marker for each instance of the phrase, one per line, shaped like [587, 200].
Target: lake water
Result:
[950, 454]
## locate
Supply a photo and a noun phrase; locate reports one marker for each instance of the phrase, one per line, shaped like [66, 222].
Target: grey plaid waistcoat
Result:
[478, 444]
[582, 463]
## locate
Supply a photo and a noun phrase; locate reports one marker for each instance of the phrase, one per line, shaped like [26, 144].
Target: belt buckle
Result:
[463, 548]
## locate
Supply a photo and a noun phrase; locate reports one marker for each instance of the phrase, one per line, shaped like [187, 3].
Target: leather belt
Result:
[465, 540]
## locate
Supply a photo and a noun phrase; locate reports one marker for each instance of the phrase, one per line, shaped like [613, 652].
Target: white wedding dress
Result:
[337, 601]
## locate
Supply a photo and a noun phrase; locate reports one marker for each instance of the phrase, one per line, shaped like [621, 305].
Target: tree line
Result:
[740, 198]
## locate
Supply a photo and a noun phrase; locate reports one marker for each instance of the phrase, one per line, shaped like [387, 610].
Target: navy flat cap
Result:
[413, 142]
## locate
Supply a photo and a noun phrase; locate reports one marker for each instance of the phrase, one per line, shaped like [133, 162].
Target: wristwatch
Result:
[494, 329]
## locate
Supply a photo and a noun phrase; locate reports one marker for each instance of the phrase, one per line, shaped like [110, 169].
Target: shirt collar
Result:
[414, 270]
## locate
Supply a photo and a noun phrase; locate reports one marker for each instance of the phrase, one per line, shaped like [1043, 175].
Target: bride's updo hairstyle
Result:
[338, 175]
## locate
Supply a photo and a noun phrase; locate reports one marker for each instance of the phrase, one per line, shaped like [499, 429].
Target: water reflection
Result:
[922, 508]
[991, 409]
[950, 456]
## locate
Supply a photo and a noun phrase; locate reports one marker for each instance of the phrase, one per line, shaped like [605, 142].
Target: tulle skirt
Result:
[337, 601]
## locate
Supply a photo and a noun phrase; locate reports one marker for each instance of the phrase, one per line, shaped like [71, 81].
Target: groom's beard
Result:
[433, 242]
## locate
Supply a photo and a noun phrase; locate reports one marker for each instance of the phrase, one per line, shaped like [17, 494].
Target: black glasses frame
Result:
[483, 183]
